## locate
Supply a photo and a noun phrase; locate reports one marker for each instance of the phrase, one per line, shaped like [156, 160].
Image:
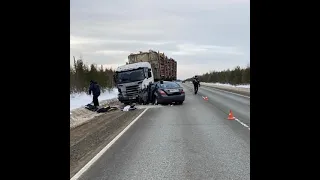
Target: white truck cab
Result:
[131, 78]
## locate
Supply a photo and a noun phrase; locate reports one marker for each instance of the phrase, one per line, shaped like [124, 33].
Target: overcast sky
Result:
[201, 35]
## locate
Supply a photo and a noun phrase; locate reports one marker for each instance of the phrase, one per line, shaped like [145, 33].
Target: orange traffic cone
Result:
[231, 117]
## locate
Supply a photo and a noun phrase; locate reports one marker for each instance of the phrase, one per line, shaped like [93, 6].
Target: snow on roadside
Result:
[229, 85]
[241, 88]
[247, 86]
[80, 115]
[82, 99]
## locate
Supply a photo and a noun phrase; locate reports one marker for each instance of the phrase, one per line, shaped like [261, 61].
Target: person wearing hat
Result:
[94, 88]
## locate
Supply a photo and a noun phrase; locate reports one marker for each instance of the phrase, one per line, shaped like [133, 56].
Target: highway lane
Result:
[190, 141]
[238, 104]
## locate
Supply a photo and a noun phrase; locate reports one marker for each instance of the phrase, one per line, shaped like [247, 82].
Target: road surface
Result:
[190, 141]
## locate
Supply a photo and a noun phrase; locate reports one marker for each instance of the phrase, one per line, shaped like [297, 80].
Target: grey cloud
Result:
[218, 31]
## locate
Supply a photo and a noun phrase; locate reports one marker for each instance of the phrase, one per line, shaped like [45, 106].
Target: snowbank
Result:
[243, 88]
[229, 85]
[82, 99]
[80, 115]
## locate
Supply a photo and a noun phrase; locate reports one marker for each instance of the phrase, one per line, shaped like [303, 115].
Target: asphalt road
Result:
[190, 141]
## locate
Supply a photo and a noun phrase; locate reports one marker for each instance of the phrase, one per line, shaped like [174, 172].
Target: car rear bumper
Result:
[170, 99]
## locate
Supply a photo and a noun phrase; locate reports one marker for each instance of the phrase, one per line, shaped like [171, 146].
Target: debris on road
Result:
[106, 109]
[83, 115]
[205, 98]
[129, 107]
[100, 109]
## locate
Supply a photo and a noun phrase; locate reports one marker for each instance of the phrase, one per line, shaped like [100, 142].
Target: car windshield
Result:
[169, 85]
[130, 76]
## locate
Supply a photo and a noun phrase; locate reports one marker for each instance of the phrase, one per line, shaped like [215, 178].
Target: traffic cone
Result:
[231, 117]
[205, 98]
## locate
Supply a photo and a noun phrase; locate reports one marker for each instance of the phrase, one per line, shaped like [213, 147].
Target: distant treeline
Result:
[235, 77]
[81, 74]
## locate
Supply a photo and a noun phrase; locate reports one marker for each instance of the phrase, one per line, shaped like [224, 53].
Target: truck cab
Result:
[130, 79]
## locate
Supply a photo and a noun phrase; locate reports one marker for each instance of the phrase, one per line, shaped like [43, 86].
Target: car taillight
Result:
[181, 91]
[162, 92]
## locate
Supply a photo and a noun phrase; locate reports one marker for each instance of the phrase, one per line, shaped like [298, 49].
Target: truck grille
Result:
[132, 90]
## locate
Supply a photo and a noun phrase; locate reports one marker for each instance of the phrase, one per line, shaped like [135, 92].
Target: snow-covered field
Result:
[82, 99]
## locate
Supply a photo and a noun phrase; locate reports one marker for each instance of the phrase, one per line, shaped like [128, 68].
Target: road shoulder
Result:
[88, 139]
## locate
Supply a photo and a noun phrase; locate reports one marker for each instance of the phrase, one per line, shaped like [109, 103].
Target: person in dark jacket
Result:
[196, 84]
[94, 88]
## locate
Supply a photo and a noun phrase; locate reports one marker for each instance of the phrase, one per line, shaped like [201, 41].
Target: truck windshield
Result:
[130, 76]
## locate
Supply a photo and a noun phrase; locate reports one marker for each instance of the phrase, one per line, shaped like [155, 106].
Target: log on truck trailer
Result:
[163, 68]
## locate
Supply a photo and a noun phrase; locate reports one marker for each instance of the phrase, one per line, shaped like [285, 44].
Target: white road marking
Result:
[96, 157]
[235, 94]
[243, 124]
[228, 92]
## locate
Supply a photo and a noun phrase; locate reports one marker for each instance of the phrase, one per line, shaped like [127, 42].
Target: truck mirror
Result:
[149, 74]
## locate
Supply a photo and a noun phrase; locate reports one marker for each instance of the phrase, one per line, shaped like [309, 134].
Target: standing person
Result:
[196, 84]
[95, 89]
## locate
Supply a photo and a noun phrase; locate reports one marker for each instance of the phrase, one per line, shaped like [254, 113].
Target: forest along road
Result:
[190, 141]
